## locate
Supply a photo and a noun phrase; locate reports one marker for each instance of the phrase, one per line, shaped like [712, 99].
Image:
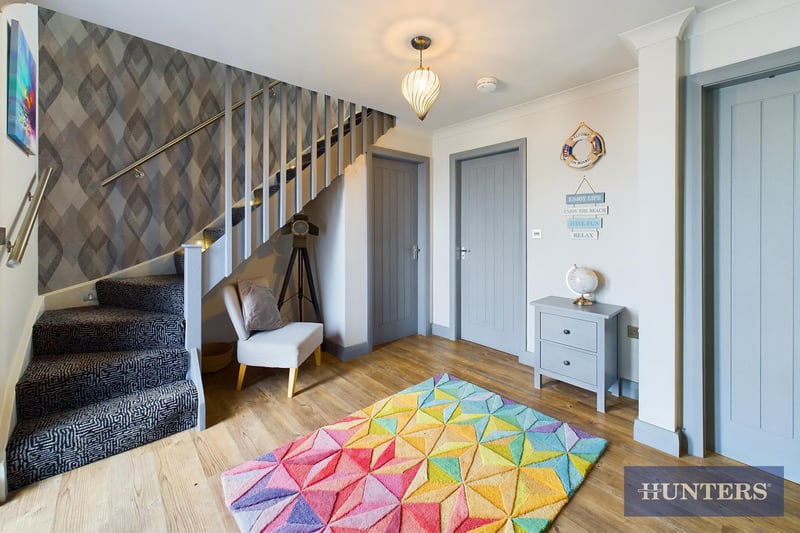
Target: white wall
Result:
[609, 107]
[19, 300]
[339, 254]
[328, 212]
[740, 30]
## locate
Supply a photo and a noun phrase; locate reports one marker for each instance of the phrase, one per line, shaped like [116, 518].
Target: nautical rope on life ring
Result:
[596, 151]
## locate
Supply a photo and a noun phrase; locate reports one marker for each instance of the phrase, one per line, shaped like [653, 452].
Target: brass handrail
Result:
[181, 137]
[17, 249]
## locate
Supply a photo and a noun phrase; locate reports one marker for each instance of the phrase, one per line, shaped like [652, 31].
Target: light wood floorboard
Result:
[173, 484]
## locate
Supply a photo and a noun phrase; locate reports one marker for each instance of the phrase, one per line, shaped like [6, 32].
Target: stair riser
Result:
[155, 333]
[160, 298]
[76, 386]
[98, 433]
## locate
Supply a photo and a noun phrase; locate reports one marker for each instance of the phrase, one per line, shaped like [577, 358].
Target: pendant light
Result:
[421, 85]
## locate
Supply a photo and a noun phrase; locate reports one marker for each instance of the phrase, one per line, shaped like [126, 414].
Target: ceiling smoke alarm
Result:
[486, 84]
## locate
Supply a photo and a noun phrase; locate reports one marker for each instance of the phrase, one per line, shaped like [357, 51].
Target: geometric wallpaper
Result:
[106, 99]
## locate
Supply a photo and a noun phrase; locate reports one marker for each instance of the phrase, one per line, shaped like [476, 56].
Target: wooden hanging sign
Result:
[588, 198]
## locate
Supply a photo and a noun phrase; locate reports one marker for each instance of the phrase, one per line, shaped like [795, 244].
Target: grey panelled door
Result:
[492, 256]
[394, 250]
[757, 273]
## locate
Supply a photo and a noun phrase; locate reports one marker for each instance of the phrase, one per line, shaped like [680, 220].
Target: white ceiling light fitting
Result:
[421, 86]
[486, 84]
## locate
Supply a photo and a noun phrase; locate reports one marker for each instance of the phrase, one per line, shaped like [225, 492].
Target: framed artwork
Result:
[21, 90]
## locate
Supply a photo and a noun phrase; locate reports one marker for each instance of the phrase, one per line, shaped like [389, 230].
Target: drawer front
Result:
[570, 331]
[570, 363]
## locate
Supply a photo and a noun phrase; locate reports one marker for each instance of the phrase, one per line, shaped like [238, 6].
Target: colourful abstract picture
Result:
[21, 90]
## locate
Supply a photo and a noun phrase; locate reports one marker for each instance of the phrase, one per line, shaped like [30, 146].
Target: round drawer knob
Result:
[567, 332]
[566, 363]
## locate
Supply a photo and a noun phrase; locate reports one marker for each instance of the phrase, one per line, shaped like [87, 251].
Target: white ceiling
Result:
[359, 50]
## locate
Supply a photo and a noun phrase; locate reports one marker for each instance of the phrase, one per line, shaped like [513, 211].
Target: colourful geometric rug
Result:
[444, 455]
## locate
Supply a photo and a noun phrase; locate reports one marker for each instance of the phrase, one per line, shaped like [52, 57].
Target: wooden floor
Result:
[173, 484]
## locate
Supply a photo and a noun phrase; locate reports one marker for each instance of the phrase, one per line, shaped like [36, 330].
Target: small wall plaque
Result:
[585, 235]
[585, 211]
[585, 223]
[586, 198]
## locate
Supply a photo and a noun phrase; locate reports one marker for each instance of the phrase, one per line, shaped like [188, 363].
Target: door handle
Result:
[415, 252]
[463, 252]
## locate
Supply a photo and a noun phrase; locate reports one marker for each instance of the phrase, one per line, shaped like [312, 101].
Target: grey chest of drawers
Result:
[577, 344]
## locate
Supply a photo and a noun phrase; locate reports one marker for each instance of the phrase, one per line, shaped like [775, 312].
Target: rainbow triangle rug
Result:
[444, 455]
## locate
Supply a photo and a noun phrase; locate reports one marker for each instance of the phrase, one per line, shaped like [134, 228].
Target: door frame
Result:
[423, 164]
[697, 230]
[520, 147]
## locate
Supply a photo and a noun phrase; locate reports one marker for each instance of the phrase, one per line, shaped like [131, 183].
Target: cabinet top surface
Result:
[565, 304]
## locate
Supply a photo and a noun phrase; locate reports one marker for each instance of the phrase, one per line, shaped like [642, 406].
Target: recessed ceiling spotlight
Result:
[486, 84]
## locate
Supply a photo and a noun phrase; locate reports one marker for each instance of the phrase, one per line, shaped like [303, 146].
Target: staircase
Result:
[103, 379]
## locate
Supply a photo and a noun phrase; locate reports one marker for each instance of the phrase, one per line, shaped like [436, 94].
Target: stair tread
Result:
[107, 406]
[66, 381]
[56, 443]
[162, 293]
[154, 279]
[98, 314]
[75, 363]
[145, 281]
[104, 329]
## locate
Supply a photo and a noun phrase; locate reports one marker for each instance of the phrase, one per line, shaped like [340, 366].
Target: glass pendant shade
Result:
[420, 89]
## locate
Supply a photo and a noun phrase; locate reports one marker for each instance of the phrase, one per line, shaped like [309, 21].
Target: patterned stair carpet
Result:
[444, 455]
[103, 379]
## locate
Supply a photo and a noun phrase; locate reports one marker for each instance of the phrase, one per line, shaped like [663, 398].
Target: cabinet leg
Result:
[537, 378]
[601, 401]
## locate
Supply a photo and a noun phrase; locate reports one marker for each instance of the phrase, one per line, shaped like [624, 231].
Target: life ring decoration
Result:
[597, 148]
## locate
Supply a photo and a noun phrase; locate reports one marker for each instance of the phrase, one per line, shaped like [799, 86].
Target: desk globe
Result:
[583, 282]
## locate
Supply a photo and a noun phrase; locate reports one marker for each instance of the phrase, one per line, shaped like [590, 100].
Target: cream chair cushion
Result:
[286, 347]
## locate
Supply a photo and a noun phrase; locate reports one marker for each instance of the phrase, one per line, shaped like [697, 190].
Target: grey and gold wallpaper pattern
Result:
[106, 99]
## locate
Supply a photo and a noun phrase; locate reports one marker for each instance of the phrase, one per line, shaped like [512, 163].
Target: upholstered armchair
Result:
[285, 347]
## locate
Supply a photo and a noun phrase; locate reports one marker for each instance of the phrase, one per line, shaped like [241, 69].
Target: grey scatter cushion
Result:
[259, 309]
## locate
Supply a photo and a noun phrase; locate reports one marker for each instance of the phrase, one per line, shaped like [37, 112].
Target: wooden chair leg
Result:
[318, 355]
[242, 369]
[292, 381]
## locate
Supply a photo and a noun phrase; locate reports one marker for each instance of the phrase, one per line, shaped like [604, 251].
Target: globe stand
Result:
[582, 300]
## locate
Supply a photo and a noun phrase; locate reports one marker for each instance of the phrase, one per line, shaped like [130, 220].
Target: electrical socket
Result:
[633, 331]
[89, 296]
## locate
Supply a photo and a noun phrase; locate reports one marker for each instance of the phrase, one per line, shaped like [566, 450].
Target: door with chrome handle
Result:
[415, 250]
[463, 252]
